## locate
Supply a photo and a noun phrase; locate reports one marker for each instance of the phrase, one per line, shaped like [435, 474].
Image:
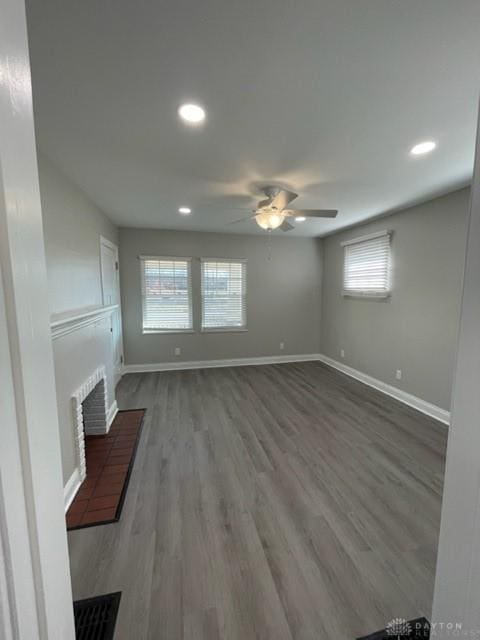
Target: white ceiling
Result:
[324, 97]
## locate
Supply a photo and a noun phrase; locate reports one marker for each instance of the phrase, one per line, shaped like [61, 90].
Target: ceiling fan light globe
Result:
[269, 220]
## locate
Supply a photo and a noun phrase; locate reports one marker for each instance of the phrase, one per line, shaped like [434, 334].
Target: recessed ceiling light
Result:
[423, 147]
[192, 113]
[185, 210]
[300, 219]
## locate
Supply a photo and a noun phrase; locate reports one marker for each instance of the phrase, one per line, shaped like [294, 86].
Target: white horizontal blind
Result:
[224, 289]
[166, 294]
[367, 266]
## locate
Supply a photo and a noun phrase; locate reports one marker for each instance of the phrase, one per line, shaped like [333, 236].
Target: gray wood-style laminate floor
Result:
[273, 502]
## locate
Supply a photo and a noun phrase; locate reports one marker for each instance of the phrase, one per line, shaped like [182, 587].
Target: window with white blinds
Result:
[166, 294]
[367, 266]
[224, 291]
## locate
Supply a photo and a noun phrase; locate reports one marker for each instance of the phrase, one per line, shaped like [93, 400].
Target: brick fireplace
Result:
[90, 412]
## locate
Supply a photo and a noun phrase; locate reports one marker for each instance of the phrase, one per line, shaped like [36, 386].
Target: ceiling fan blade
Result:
[282, 199]
[286, 226]
[241, 220]
[312, 213]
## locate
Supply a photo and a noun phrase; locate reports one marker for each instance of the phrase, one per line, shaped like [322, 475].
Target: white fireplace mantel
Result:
[62, 325]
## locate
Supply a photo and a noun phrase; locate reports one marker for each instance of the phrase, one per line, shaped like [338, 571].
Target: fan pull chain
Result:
[269, 244]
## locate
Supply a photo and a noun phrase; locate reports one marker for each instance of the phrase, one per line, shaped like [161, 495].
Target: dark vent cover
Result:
[95, 617]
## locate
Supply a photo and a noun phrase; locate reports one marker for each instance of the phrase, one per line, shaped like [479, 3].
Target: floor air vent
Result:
[95, 617]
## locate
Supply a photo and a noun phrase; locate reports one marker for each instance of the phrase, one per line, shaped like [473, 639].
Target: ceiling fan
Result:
[272, 213]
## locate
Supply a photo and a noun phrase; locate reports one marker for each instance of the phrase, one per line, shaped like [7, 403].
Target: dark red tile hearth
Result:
[102, 516]
[120, 459]
[78, 507]
[107, 489]
[109, 460]
[109, 469]
[103, 503]
[73, 520]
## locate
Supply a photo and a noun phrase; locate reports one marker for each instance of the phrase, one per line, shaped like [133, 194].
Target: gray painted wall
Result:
[415, 329]
[283, 295]
[72, 228]
[72, 225]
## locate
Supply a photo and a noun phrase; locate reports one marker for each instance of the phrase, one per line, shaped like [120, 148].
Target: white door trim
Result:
[16, 565]
[36, 592]
[457, 582]
[117, 314]
[110, 245]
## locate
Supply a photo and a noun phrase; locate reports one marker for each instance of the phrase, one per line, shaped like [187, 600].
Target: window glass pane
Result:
[223, 294]
[367, 266]
[166, 293]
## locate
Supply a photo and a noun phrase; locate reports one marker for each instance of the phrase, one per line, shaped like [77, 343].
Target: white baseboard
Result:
[413, 401]
[112, 412]
[71, 488]
[402, 396]
[209, 364]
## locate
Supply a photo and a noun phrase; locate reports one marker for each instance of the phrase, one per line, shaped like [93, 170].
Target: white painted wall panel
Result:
[73, 226]
[77, 355]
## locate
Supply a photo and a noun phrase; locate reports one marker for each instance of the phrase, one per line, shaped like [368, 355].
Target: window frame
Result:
[372, 294]
[142, 259]
[226, 329]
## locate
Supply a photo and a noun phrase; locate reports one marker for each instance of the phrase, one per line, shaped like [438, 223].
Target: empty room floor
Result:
[274, 502]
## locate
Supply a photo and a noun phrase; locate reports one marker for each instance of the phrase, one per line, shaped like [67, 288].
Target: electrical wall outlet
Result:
[177, 351]
[282, 346]
[342, 353]
[398, 374]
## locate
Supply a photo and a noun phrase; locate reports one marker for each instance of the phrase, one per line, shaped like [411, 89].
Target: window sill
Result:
[147, 332]
[224, 330]
[366, 295]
